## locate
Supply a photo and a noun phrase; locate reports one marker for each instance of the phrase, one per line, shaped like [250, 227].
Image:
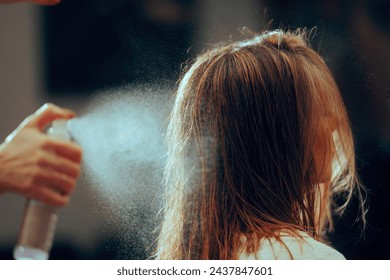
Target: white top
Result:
[306, 248]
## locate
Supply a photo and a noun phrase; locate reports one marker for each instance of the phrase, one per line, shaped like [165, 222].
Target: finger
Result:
[61, 164]
[47, 195]
[46, 114]
[65, 149]
[58, 181]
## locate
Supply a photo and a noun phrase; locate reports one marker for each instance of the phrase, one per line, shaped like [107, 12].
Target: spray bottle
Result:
[39, 219]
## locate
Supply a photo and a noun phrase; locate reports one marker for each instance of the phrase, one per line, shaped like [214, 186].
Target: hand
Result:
[36, 165]
[40, 2]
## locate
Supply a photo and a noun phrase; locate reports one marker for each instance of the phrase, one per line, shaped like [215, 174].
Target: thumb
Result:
[46, 114]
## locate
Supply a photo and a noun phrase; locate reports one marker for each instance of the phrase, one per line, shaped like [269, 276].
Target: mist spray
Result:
[39, 219]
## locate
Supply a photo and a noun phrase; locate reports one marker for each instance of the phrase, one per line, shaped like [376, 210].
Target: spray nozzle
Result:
[59, 130]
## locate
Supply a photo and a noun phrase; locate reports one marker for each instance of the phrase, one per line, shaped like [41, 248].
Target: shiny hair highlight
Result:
[242, 136]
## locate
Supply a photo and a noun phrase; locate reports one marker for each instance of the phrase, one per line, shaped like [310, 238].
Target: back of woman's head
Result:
[259, 144]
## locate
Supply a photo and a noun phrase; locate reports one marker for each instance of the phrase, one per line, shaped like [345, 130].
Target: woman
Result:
[259, 147]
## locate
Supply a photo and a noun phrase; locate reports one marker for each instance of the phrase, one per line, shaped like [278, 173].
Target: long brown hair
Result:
[246, 121]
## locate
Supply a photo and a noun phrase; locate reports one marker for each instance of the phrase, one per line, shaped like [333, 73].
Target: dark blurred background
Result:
[67, 53]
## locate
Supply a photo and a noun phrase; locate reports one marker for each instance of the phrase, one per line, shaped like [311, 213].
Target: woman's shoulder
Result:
[290, 247]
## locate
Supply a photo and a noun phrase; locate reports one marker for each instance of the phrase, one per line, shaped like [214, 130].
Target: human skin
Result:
[35, 165]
